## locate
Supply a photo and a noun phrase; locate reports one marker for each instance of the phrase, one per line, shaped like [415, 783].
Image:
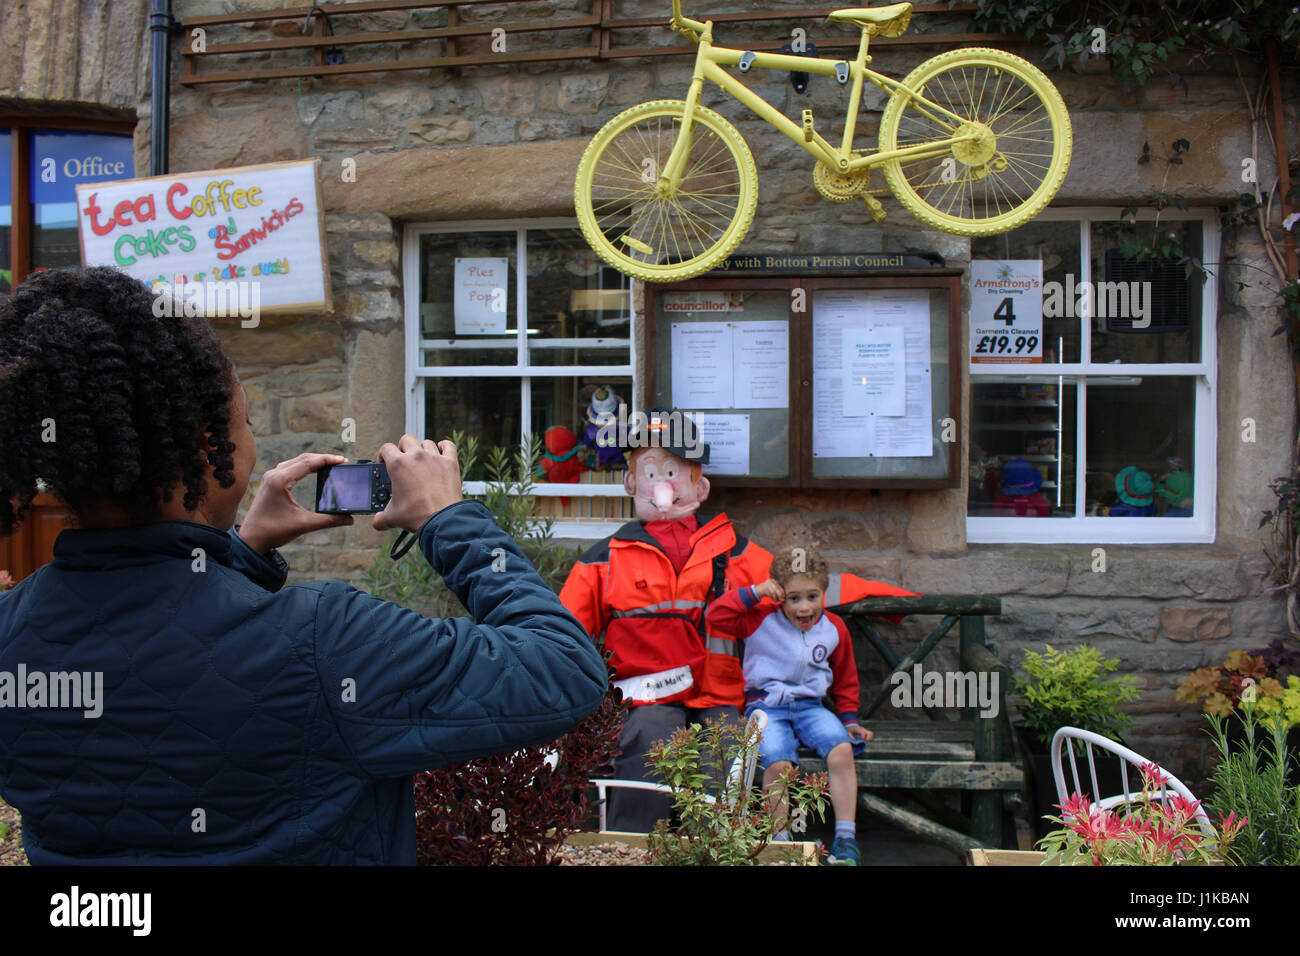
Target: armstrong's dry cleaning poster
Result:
[259, 225]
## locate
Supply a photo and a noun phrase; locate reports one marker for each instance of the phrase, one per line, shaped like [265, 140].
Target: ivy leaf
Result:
[1146, 153]
[1279, 330]
[1181, 146]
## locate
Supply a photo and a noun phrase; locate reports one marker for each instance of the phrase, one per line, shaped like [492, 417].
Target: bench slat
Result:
[930, 774]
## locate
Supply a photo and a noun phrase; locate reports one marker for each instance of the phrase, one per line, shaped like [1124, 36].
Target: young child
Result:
[791, 659]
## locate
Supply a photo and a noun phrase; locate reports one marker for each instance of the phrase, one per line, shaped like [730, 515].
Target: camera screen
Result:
[346, 489]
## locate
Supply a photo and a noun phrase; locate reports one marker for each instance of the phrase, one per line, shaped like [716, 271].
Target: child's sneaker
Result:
[844, 852]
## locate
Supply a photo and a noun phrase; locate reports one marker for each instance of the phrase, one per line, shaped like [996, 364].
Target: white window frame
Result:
[417, 372]
[1082, 528]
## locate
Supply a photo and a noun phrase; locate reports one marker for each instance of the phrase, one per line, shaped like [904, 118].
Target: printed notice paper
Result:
[728, 439]
[762, 364]
[731, 364]
[874, 372]
[702, 362]
[843, 322]
[480, 295]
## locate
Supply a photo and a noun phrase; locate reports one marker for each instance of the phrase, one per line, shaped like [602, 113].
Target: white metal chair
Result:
[1062, 741]
[740, 778]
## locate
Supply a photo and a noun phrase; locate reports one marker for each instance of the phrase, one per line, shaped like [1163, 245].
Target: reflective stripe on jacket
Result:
[625, 591]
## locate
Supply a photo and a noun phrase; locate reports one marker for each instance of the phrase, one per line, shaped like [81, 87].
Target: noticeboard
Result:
[815, 382]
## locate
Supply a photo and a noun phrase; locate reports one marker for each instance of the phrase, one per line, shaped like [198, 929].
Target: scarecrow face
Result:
[664, 486]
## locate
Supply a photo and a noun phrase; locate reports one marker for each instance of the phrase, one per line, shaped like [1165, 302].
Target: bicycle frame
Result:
[710, 59]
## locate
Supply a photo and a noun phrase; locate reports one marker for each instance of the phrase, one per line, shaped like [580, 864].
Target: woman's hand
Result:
[769, 589]
[274, 518]
[858, 732]
[425, 477]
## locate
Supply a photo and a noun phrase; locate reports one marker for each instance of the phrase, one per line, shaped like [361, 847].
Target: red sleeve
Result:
[733, 616]
[583, 595]
[845, 689]
[854, 588]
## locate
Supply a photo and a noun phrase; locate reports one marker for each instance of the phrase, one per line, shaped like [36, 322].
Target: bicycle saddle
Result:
[889, 21]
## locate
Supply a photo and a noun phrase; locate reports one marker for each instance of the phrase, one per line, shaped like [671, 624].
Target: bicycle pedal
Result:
[807, 126]
[877, 210]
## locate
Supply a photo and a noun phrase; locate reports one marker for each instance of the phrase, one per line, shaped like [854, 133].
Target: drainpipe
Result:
[160, 67]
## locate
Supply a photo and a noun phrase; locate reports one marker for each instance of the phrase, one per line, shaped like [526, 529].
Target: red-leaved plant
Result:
[1157, 827]
[516, 809]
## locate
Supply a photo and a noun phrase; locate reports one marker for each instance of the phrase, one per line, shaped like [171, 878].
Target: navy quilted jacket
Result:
[244, 722]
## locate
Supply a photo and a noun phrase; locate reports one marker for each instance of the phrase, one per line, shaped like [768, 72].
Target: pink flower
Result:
[1153, 772]
[6, 581]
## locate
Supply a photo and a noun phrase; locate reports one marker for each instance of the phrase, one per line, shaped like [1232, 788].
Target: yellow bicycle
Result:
[974, 142]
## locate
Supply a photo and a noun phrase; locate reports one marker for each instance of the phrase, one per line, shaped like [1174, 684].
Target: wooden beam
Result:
[962, 604]
[925, 828]
[387, 66]
[20, 208]
[930, 774]
[387, 6]
[397, 36]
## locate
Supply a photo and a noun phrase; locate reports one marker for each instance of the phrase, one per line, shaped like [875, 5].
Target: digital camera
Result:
[362, 488]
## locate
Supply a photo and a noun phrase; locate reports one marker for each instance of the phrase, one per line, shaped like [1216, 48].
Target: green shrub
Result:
[1069, 689]
[413, 583]
[1252, 783]
[732, 830]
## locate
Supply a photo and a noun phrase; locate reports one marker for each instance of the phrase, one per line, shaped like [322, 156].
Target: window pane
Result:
[478, 327]
[60, 160]
[487, 408]
[1145, 310]
[577, 408]
[1057, 243]
[1141, 446]
[579, 309]
[6, 211]
[1022, 447]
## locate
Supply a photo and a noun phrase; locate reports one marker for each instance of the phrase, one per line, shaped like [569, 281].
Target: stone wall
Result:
[502, 142]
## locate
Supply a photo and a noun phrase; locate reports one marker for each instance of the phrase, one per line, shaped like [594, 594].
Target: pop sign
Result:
[253, 234]
[1006, 310]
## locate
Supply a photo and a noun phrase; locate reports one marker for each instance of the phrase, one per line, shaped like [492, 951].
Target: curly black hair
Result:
[106, 402]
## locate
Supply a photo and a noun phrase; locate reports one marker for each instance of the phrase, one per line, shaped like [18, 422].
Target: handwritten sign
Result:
[480, 298]
[258, 226]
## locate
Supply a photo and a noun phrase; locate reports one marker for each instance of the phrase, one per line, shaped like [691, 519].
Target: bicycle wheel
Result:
[1003, 177]
[642, 226]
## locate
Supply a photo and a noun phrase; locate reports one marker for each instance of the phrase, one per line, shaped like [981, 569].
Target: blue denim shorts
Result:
[804, 722]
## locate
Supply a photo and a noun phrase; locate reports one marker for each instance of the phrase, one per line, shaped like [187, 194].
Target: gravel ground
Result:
[11, 841]
[603, 854]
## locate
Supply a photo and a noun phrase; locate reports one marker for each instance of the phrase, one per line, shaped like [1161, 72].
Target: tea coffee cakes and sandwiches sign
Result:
[250, 234]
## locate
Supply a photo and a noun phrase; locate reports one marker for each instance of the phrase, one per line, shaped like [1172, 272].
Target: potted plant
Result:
[1250, 781]
[1267, 678]
[1061, 688]
[1148, 831]
[719, 821]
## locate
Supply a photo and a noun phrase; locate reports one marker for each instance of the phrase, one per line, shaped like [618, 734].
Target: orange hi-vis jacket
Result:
[625, 591]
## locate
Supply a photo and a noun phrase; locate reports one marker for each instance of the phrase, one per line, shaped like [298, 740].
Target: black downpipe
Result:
[160, 68]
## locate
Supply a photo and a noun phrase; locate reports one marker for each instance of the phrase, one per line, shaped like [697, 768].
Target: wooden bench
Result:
[972, 754]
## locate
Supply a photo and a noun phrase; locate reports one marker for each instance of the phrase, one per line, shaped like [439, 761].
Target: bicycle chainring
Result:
[839, 187]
